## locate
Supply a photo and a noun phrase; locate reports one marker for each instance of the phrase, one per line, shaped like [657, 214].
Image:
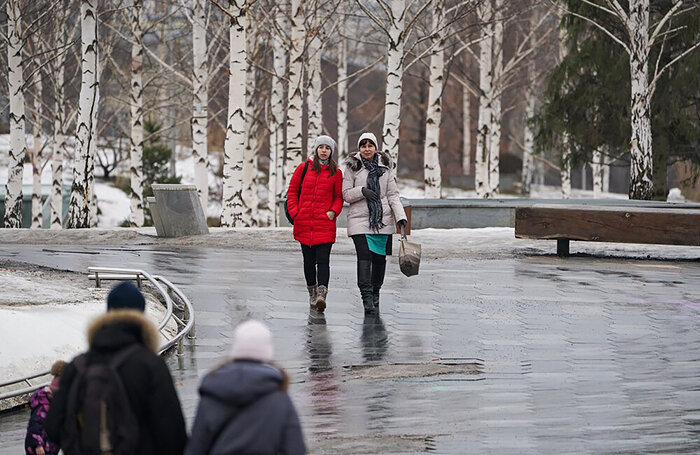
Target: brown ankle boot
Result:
[313, 290]
[321, 298]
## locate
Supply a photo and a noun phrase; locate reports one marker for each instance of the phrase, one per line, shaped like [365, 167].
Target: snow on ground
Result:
[44, 315]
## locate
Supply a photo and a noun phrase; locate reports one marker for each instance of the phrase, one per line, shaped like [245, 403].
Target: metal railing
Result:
[185, 324]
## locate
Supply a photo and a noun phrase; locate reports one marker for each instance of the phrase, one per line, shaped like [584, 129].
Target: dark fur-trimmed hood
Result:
[120, 322]
[355, 164]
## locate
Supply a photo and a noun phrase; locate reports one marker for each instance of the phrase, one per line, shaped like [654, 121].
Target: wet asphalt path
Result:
[576, 356]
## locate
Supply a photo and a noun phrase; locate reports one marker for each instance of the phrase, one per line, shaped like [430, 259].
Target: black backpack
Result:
[286, 210]
[99, 419]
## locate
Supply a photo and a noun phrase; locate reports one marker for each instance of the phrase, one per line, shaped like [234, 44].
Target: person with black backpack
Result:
[314, 201]
[244, 408]
[118, 398]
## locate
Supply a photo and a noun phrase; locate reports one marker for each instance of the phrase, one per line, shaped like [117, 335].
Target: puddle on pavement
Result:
[387, 443]
[414, 370]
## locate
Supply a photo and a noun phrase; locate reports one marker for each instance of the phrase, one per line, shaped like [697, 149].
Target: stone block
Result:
[179, 210]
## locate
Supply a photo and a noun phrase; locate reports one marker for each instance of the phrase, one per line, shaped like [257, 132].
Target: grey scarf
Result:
[376, 213]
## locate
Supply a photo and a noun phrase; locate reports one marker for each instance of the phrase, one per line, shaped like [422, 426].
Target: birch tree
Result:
[486, 89]
[83, 175]
[638, 37]
[466, 132]
[200, 101]
[18, 141]
[250, 167]
[495, 96]
[565, 171]
[136, 150]
[432, 172]
[295, 90]
[313, 67]
[234, 145]
[342, 108]
[276, 117]
[36, 156]
[57, 68]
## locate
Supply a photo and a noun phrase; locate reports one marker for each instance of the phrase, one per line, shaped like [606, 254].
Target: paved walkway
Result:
[501, 354]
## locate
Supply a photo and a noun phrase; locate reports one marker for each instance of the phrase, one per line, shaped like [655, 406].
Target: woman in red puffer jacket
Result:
[314, 207]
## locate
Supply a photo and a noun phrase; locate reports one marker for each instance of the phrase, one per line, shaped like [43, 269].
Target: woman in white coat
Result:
[369, 186]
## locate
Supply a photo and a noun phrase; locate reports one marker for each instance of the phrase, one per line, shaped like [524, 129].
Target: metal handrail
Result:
[185, 327]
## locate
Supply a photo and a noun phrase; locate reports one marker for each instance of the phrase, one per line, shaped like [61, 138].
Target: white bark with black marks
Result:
[59, 137]
[466, 133]
[313, 94]
[250, 167]
[233, 205]
[483, 142]
[18, 140]
[275, 182]
[82, 193]
[641, 165]
[431, 152]
[200, 102]
[495, 96]
[342, 87]
[295, 98]
[37, 151]
[136, 151]
[394, 81]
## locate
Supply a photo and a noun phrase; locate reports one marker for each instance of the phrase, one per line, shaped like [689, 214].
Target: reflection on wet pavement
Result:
[525, 355]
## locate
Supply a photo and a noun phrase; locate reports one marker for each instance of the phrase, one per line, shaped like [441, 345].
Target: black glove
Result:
[369, 194]
[401, 223]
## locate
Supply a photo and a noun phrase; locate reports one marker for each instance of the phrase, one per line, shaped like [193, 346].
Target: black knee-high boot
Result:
[364, 282]
[378, 270]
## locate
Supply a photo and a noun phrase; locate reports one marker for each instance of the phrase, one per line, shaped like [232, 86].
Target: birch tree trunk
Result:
[528, 137]
[530, 100]
[483, 143]
[606, 171]
[294, 94]
[59, 138]
[565, 170]
[495, 95]
[250, 196]
[18, 140]
[233, 205]
[641, 166]
[394, 77]
[466, 133]
[200, 103]
[313, 94]
[136, 152]
[342, 88]
[36, 155]
[431, 153]
[597, 168]
[275, 185]
[83, 175]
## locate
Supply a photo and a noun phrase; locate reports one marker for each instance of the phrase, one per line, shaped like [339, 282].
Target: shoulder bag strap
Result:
[306, 166]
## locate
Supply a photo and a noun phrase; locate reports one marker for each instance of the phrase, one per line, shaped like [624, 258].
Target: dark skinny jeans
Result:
[317, 257]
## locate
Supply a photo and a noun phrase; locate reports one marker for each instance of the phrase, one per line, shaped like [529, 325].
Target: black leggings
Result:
[363, 251]
[317, 256]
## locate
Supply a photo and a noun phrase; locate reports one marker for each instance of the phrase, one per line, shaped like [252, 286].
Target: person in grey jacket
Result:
[369, 186]
[244, 407]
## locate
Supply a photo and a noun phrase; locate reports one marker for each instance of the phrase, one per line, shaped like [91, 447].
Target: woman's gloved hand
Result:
[402, 223]
[369, 194]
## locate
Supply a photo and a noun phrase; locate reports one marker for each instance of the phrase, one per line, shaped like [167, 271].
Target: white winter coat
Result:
[354, 179]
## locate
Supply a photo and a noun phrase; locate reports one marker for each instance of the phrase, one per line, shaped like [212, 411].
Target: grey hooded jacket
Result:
[243, 410]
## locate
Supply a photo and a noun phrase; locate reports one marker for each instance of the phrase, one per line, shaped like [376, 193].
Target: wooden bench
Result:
[666, 226]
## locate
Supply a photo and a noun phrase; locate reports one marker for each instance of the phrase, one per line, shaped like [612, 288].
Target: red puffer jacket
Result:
[320, 193]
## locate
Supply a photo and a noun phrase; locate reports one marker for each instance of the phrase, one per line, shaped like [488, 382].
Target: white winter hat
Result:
[252, 340]
[369, 136]
[325, 140]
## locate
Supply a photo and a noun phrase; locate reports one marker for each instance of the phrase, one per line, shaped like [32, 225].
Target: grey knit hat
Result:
[325, 140]
[369, 136]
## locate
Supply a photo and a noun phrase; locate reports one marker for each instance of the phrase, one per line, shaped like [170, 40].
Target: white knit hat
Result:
[369, 136]
[324, 140]
[252, 340]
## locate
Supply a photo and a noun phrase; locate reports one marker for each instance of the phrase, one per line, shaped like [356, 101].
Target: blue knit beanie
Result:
[125, 296]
